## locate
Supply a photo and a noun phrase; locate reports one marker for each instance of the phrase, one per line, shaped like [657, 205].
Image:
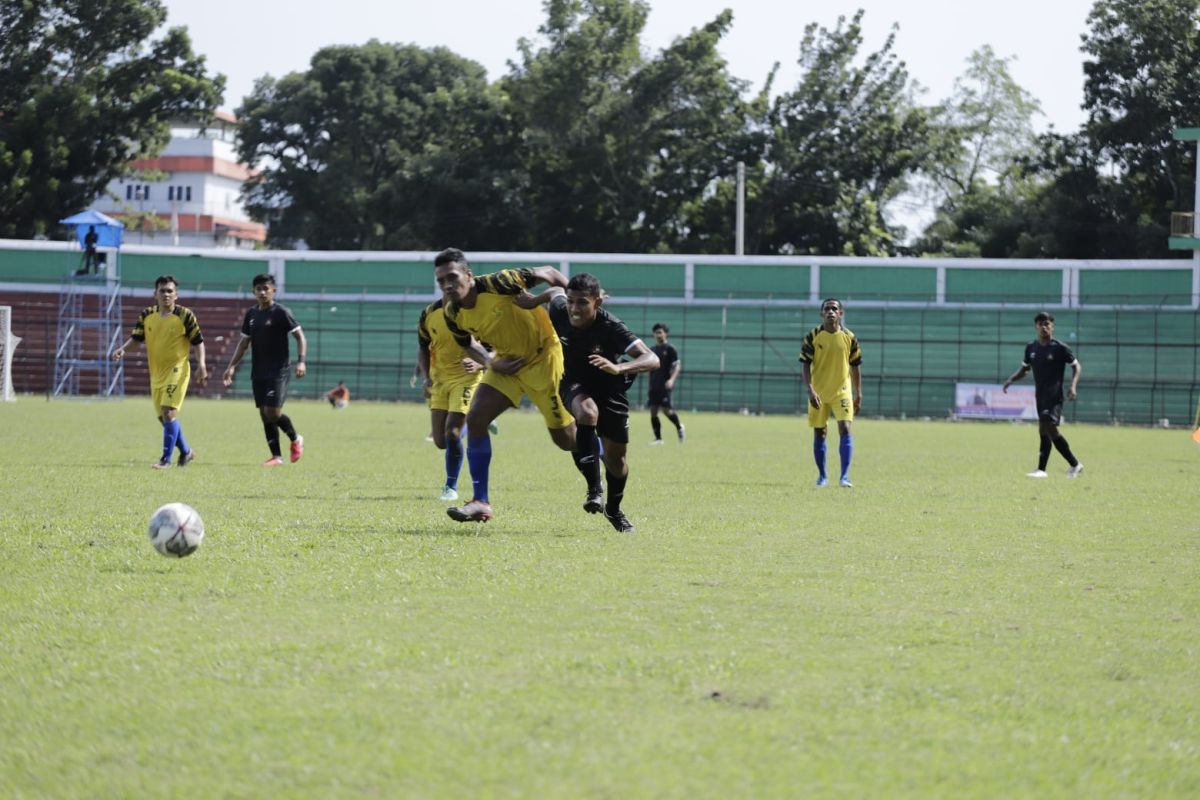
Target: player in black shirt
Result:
[1048, 358]
[265, 328]
[595, 379]
[662, 381]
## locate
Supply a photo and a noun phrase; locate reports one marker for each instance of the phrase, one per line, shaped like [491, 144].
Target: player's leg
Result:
[282, 420]
[170, 436]
[842, 409]
[186, 455]
[488, 403]
[818, 420]
[453, 424]
[586, 453]
[268, 414]
[1050, 429]
[669, 412]
[540, 383]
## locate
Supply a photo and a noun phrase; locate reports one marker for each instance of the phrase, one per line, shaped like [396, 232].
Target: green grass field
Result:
[947, 628]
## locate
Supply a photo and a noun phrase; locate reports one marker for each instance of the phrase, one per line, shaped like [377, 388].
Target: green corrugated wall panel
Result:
[654, 280]
[1136, 286]
[194, 273]
[366, 277]
[750, 281]
[1004, 286]
[879, 283]
[38, 266]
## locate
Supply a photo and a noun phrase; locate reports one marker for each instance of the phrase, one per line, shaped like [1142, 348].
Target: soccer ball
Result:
[176, 530]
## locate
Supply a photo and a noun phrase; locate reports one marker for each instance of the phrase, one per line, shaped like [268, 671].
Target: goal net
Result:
[8, 343]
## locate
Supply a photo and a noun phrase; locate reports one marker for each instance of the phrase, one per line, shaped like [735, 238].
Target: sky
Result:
[245, 39]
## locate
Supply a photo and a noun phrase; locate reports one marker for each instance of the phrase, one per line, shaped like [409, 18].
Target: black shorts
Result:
[660, 397]
[270, 392]
[614, 408]
[1050, 412]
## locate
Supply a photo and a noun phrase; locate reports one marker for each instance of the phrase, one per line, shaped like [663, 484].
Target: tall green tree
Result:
[843, 143]
[383, 146]
[84, 90]
[1141, 77]
[617, 145]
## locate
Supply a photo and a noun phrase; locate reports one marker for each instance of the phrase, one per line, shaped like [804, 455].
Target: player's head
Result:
[584, 296]
[660, 332]
[264, 288]
[166, 290]
[1044, 323]
[831, 311]
[453, 274]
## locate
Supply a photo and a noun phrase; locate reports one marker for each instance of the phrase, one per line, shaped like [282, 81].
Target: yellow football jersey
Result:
[830, 356]
[168, 340]
[445, 353]
[512, 331]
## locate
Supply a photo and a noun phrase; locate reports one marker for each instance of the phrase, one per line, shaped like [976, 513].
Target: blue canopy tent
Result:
[110, 231]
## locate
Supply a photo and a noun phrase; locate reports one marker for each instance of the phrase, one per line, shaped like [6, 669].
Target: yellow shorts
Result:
[454, 397]
[538, 382]
[170, 394]
[840, 406]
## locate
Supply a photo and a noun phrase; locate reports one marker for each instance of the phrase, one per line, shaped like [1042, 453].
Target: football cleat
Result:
[162, 463]
[822, 482]
[273, 461]
[474, 511]
[681, 434]
[1074, 471]
[654, 442]
[619, 521]
[1037, 473]
[449, 493]
[595, 501]
[845, 483]
[493, 428]
[186, 458]
[297, 449]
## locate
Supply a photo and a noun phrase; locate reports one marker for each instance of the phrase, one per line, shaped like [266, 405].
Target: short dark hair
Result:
[1043, 316]
[263, 277]
[585, 282]
[450, 255]
[829, 300]
[161, 279]
[658, 326]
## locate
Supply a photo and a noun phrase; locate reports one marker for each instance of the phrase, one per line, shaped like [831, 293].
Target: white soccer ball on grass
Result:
[176, 530]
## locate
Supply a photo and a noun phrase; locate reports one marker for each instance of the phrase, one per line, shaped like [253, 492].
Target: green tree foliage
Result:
[84, 91]
[618, 147]
[841, 145]
[382, 146]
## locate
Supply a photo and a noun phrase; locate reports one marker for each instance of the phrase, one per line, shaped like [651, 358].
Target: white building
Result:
[197, 200]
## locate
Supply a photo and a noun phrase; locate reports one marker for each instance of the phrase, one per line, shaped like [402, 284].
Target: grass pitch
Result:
[946, 628]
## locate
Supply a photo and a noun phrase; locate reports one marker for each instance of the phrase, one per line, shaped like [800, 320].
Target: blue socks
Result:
[171, 433]
[454, 459]
[479, 457]
[181, 442]
[819, 454]
[846, 451]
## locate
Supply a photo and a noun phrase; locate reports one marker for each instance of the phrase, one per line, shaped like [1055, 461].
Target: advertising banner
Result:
[988, 401]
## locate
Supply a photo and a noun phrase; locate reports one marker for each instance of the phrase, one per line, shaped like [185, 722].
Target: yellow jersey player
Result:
[528, 359]
[450, 378]
[169, 331]
[831, 360]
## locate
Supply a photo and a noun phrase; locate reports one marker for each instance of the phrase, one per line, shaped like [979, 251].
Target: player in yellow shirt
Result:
[169, 331]
[449, 380]
[498, 309]
[831, 361]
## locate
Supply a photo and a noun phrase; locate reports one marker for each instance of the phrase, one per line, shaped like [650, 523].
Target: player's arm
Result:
[301, 351]
[1076, 371]
[238, 354]
[201, 364]
[129, 343]
[856, 382]
[676, 368]
[422, 373]
[558, 284]
[1016, 376]
[813, 399]
[642, 359]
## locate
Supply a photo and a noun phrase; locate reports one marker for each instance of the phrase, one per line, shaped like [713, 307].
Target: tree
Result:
[618, 146]
[382, 146]
[1140, 82]
[83, 92]
[843, 143]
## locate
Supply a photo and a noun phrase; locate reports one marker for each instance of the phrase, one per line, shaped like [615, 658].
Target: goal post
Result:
[8, 343]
